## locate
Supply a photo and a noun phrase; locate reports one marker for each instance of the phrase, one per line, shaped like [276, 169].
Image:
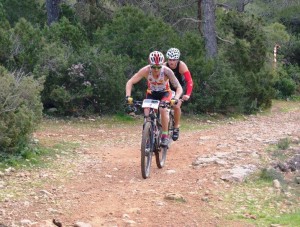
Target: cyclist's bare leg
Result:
[164, 119]
[177, 114]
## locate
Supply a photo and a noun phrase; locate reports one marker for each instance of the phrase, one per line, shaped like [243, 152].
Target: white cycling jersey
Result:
[159, 83]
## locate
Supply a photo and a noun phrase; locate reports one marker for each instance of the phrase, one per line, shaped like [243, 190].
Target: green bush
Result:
[289, 16]
[259, 89]
[220, 91]
[284, 143]
[285, 87]
[66, 33]
[286, 82]
[245, 53]
[129, 34]
[291, 51]
[294, 72]
[20, 110]
[276, 34]
[5, 43]
[91, 15]
[106, 77]
[52, 65]
[90, 83]
[31, 10]
[271, 174]
[26, 45]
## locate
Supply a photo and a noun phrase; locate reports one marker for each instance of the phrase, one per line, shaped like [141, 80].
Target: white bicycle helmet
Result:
[156, 58]
[173, 53]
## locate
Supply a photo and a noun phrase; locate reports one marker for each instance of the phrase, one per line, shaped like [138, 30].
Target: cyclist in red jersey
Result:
[159, 78]
[184, 77]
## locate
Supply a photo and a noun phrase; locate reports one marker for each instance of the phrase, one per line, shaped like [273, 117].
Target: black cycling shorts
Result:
[159, 95]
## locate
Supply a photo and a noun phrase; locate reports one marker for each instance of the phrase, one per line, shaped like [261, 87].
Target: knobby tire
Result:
[146, 150]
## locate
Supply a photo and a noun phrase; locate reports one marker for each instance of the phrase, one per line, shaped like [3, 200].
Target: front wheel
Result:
[146, 150]
[161, 156]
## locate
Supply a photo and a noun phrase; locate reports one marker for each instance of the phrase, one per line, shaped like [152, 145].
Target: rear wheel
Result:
[146, 150]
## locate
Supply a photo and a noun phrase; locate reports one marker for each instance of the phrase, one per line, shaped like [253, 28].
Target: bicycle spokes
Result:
[146, 150]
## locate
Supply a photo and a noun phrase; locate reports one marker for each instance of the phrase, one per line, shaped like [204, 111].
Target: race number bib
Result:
[150, 103]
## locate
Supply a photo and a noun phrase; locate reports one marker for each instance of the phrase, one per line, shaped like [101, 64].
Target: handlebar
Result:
[133, 105]
[162, 104]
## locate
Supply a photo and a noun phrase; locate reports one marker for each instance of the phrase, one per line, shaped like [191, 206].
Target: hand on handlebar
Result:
[185, 97]
[129, 100]
[130, 108]
[173, 102]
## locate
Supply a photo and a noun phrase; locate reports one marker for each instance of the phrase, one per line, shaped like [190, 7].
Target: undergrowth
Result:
[258, 201]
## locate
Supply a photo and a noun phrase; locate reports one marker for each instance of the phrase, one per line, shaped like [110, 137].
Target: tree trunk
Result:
[209, 28]
[52, 7]
[200, 16]
[241, 5]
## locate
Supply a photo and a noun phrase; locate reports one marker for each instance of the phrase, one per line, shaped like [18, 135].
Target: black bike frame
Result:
[155, 121]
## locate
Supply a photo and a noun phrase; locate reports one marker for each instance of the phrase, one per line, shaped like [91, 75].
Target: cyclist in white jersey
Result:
[158, 78]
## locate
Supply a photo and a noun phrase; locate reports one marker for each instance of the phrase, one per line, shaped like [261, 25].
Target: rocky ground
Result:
[95, 179]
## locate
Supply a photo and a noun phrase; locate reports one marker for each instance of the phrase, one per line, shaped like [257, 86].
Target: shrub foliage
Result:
[20, 109]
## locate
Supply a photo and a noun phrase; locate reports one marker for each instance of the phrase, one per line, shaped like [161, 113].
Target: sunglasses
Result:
[172, 59]
[155, 67]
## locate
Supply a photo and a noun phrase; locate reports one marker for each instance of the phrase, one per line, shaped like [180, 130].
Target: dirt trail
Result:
[106, 187]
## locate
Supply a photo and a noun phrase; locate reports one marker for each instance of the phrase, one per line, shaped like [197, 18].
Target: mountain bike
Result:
[151, 135]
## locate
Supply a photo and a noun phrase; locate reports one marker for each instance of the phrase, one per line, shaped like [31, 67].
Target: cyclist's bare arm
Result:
[142, 73]
[183, 68]
[174, 82]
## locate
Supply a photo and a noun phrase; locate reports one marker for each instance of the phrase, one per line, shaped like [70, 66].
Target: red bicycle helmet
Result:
[156, 58]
